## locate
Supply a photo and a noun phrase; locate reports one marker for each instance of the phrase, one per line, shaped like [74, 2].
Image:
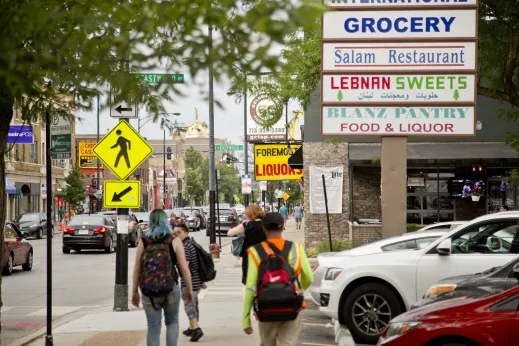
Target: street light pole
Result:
[212, 196]
[164, 170]
[245, 142]
[98, 163]
[48, 169]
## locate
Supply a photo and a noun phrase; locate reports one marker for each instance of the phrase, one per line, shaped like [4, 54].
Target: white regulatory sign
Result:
[122, 224]
[398, 88]
[398, 121]
[399, 24]
[374, 4]
[409, 56]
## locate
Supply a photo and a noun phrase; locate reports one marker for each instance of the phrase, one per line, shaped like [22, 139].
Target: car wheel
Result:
[65, 249]
[368, 310]
[77, 250]
[38, 234]
[133, 242]
[110, 246]
[27, 266]
[8, 268]
[207, 232]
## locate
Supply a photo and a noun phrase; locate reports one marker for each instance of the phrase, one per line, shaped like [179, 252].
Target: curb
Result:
[29, 339]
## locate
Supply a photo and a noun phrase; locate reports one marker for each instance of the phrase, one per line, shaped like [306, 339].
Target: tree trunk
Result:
[6, 114]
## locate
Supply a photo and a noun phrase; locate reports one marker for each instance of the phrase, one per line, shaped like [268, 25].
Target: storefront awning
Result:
[61, 184]
[440, 151]
[10, 188]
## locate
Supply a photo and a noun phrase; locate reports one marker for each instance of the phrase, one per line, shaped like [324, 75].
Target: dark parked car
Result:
[89, 232]
[197, 212]
[17, 250]
[32, 225]
[228, 219]
[491, 281]
[134, 229]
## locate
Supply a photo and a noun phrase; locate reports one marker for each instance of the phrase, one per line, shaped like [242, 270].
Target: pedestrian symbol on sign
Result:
[124, 145]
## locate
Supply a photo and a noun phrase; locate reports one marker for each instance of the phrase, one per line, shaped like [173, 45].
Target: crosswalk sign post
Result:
[122, 150]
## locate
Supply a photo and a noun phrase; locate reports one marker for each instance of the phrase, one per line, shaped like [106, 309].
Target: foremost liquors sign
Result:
[410, 56]
[399, 121]
[398, 88]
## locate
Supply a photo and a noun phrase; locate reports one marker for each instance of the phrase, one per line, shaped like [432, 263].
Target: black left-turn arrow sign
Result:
[117, 196]
[122, 109]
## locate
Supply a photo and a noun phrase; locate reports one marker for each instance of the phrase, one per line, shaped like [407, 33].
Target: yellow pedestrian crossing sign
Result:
[122, 194]
[123, 150]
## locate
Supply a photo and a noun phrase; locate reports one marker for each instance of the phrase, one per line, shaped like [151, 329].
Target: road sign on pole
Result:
[60, 138]
[123, 150]
[229, 147]
[122, 194]
[121, 108]
[156, 78]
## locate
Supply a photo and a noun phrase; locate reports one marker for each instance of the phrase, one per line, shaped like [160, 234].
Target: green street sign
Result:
[254, 186]
[229, 147]
[156, 78]
[61, 147]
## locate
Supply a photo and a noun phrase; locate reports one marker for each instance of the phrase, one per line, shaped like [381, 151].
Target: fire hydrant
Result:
[215, 250]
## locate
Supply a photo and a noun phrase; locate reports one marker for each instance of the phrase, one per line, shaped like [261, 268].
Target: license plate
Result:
[83, 232]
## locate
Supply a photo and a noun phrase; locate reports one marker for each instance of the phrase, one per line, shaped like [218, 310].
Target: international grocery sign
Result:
[399, 68]
[271, 162]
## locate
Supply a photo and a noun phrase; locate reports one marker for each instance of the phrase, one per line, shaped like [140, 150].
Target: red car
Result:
[489, 321]
[17, 250]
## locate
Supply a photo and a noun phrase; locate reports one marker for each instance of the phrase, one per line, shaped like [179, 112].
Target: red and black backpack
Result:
[276, 299]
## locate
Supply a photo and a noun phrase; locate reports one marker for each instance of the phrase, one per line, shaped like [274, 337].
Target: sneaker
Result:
[188, 332]
[196, 335]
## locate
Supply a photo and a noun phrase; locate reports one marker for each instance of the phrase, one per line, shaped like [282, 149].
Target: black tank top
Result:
[254, 234]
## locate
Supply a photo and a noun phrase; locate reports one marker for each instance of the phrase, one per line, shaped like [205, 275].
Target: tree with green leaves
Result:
[57, 55]
[192, 158]
[75, 190]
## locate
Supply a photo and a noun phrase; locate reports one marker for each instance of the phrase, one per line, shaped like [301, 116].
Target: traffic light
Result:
[228, 161]
[94, 183]
[168, 155]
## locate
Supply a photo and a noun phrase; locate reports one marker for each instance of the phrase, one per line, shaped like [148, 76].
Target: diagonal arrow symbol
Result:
[121, 109]
[117, 196]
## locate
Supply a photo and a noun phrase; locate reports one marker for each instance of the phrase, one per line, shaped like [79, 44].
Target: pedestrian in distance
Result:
[284, 212]
[298, 216]
[191, 306]
[277, 275]
[158, 257]
[61, 214]
[253, 234]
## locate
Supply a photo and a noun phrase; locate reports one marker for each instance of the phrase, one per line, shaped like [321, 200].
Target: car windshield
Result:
[145, 217]
[28, 218]
[225, 212]
[86, 220]
[178, 212]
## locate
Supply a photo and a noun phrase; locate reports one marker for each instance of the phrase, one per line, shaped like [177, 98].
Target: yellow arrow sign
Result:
[123, 150]
[122, 194]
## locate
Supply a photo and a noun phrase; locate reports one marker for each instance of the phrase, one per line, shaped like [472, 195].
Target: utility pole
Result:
[212, 196]
[245, 142]
[48, 338]
[98, 163]
[164, 170]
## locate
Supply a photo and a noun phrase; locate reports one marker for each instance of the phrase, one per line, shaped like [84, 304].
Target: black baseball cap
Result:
[273, 221]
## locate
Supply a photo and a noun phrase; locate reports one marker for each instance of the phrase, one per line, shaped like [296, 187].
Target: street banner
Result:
[399, 56]
[411, 24]
[333, 177]
[399, 121]
[348, 89]
[256, 106]
[271, 162]
[246, 183]
[20, 134]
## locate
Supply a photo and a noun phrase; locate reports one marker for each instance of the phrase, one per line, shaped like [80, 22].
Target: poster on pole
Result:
[246, 183]
[333, 177]
[263, 185]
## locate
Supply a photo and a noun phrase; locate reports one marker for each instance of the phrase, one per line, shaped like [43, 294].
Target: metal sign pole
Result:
[48, 338]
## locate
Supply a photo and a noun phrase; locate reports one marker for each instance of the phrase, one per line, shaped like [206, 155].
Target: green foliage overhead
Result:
[75, 190]
[192, 158]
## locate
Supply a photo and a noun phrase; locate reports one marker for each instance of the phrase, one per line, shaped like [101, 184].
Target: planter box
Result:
[475, 198]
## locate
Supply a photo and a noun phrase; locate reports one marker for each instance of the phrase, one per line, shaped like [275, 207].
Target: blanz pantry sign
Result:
[399, 121]
[398, 88]
[348, 4]
[408, 56]
[430, 24]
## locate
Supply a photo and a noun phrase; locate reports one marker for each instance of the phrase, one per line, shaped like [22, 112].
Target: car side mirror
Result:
[444, 248]
[141, 221]
[515, 271]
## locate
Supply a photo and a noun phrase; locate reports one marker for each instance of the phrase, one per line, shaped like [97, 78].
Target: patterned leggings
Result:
[191, 308]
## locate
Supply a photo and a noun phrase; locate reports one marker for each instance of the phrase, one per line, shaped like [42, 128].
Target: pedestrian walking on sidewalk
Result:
[61, 214]
[278, 269]
[155, 273]
[253, 234]
[298, 216]
[284, 212]
[191, 306]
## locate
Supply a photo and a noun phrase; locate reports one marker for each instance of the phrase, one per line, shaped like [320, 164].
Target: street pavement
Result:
[83, 302]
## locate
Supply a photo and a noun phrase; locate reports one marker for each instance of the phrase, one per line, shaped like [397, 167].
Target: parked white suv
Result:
[366, 292]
